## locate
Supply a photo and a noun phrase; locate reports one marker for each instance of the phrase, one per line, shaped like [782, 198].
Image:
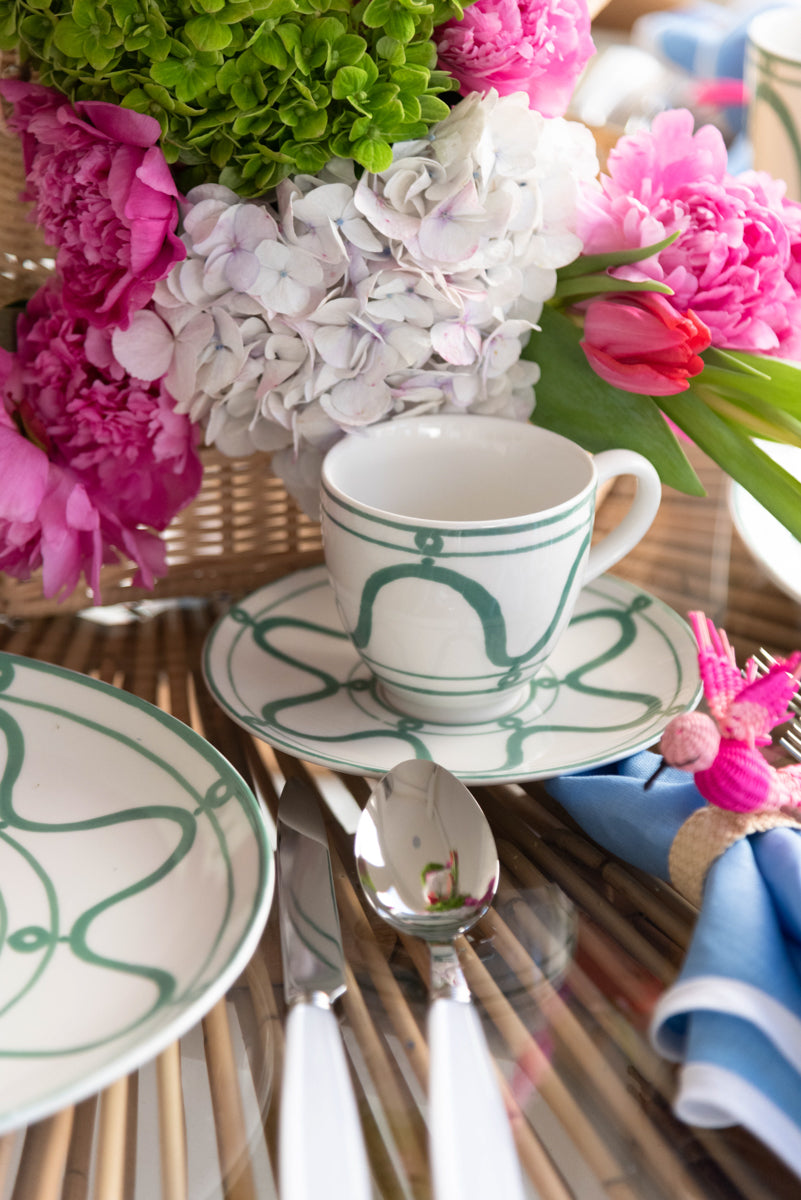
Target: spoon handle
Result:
[472, 1150]
[321, 1150]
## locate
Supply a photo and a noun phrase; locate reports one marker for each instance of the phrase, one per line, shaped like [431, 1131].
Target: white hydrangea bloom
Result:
[352, 300]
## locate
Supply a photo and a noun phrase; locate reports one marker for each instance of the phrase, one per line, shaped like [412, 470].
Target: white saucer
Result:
[136, 876]
[280, 664]
[772, 545]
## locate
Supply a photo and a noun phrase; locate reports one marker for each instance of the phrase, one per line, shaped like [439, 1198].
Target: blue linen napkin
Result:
[733, 1016]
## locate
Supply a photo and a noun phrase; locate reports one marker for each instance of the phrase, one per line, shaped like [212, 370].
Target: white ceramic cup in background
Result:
[773, 84]
[457, 546]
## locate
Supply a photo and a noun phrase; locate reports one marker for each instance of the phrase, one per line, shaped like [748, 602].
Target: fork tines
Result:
[791, 738]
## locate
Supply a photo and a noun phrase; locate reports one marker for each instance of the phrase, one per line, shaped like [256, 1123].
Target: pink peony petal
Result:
[23, 472]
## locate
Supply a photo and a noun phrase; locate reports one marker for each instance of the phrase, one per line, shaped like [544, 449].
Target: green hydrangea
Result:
[247, 91]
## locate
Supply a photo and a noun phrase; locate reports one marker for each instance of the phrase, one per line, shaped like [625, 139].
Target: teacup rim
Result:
[538, 516]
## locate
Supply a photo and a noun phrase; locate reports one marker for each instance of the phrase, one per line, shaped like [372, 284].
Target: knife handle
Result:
[320, 1136]
[473, 1153]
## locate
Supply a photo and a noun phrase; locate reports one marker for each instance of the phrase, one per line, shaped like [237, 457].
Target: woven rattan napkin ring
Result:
[707, 833]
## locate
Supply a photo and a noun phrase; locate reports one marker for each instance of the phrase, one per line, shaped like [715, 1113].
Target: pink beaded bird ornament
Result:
[722, 751]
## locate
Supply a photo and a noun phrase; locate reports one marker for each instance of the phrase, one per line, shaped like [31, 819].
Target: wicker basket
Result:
[241, 530]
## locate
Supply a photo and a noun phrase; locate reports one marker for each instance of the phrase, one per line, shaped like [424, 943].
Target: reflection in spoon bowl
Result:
[425, 852]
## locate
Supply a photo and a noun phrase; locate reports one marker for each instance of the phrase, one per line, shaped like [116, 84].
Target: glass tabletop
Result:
[565, 969]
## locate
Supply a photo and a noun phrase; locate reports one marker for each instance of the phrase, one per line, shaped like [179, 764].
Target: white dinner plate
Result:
[771, 544]
[135, 880]
[279, 663]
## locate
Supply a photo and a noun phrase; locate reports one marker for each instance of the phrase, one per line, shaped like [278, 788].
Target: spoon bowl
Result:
[425, 852]
[428, 865]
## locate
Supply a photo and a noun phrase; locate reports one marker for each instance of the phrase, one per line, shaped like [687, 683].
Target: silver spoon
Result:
[428, 865]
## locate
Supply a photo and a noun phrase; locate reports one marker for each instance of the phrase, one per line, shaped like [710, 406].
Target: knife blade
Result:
[321, 1147]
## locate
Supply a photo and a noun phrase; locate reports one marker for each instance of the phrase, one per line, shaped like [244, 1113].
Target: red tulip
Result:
[640, 343]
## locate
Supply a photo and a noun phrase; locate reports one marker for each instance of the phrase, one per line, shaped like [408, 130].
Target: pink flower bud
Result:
[640, 343]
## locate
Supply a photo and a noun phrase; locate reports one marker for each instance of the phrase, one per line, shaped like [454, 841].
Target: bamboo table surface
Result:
[564, 969]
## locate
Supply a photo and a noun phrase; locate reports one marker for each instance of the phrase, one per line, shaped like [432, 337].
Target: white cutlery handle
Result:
[473, 1153]
[320, 1137]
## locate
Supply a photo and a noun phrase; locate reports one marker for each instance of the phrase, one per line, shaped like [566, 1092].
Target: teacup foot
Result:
[454, 711]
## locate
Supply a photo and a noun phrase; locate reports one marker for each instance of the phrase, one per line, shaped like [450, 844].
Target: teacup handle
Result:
[637, 521]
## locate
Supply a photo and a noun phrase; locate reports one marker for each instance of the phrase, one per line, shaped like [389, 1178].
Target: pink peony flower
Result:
[535, 46]
[640, 343]
[737, 260]
[89, 456]
[103, 195]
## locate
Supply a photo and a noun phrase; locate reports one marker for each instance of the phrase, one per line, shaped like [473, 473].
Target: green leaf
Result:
[347, 50]
[310, 158]
[400, 25]
[411, 78]
[771, 380]
[380, 96]
[348, 81]
[377, 13]
[244, 96]
[392, 51]
[574, 401]
[583, 287]
[372, 154]
[269, 48]
[754, 416]
[736, 453]
[326, 30]
[206, 33]
[311, 126]
[433, 109]
[221, 150]
[411, 107]
[90, 15]
[70, 39]
[98, 56]
[587, 264]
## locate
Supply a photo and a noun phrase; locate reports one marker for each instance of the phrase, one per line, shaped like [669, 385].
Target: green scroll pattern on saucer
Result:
[280, 664]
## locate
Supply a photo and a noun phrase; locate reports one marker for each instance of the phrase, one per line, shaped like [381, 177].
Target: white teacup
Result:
[457, 546]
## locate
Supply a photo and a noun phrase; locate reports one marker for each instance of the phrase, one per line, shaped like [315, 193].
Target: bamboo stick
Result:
[271, 1048]
[226, 1099]
[175, 665]
[44, 1158]
[109, 1183]
[172, 1130]
[76, 1178]
[131, 1137]
[78, 652]
[7, 1147]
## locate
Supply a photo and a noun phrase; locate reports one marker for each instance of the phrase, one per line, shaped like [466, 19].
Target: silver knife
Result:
[321, 1148]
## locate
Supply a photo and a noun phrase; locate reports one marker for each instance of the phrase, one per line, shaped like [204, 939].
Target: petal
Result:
[455, 342]
[354, 402]
[145, 348]
[23, 471]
